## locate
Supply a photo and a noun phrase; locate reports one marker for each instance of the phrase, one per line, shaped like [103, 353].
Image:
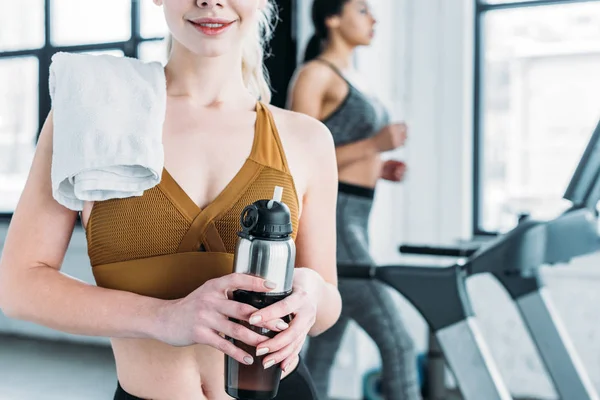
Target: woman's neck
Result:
[208, 81]
[340, 52]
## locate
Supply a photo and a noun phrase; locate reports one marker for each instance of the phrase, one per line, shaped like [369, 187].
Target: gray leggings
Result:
[369, 304]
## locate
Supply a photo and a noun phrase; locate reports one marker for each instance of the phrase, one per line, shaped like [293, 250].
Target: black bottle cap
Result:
[268, 219]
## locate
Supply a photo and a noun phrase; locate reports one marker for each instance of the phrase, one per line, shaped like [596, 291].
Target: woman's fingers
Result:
[230, 349]
[240, 332]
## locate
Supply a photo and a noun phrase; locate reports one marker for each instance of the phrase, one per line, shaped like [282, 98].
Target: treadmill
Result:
[440, 295]
[515, 259]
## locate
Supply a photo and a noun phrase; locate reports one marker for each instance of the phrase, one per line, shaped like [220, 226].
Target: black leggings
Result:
[298, 385]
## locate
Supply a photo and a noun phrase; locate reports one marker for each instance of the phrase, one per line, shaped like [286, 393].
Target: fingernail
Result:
[282, 325]
[255, 320]
[262, 352]
[248, 360]
[269, 364]
[270, 285]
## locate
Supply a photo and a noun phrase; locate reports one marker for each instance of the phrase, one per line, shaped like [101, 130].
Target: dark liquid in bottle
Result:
[253, 382]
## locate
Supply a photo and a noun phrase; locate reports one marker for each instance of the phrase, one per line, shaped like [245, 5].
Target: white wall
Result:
[429, 81]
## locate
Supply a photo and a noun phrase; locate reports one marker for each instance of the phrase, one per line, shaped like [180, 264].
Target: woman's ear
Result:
[333, 22]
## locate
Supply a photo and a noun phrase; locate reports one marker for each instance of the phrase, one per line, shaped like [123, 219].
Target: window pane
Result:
[541, 96]
[503, 1]
[154, 51]
[81, 22]
[116, 52]
[21, 24]
[18, 126]
[152, 20]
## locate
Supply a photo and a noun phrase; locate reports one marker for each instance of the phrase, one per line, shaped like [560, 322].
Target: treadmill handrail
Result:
[422, 286]
[458, 252]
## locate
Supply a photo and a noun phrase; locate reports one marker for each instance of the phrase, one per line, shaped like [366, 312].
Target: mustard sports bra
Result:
[161, 244]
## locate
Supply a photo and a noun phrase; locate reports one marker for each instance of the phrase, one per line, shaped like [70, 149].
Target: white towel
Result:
[108, 120]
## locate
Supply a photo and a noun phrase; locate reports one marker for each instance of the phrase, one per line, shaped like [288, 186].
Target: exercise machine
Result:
[439, 294]
[516, 257]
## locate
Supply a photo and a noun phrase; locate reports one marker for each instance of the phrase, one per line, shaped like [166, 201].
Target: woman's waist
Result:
[365, 172]
[150, 369]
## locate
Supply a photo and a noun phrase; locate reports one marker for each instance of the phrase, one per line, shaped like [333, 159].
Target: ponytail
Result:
[313, 48]
[321, 11]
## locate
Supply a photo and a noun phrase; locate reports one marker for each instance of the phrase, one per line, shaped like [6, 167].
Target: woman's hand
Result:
[202, 317]
[390, 137]
[393, 170]
[302, 305]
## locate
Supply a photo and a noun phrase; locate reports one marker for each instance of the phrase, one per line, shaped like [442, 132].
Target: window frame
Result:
[129, 47]
[482, 7]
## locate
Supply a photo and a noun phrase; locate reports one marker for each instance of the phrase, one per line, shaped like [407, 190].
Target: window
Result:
[537, 102]
[31, 31]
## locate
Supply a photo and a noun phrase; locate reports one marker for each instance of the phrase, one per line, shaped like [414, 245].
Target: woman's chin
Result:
[210, 51]
[208, 48]
[363, 41]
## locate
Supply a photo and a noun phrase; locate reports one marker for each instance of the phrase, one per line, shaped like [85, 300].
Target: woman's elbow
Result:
[11, 303]
[7, 298]
[9, 310]
[335, 313]
[331, 315]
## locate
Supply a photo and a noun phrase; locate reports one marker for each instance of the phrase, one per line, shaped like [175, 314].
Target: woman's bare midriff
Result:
[365, 172]
[154, 370]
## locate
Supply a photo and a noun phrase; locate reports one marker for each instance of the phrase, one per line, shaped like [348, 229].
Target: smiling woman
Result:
[162, 258]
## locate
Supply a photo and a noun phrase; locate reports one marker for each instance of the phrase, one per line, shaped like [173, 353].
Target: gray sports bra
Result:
[358, 117]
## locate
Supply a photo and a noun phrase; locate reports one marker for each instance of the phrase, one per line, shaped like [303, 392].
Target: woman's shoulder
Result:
[315, 68]
[74, 72]
[313, 73]
[310, 134]
[308, 146]
[103, 65]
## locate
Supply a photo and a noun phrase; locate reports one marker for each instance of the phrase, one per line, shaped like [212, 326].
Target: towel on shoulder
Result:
[108, 115]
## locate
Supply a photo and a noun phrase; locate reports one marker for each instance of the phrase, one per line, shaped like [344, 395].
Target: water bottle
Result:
[264, 248]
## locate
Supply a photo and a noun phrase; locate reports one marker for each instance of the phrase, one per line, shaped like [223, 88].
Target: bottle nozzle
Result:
[277, 195]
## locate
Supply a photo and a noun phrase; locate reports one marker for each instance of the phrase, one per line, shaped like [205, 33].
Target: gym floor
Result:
[44, 370]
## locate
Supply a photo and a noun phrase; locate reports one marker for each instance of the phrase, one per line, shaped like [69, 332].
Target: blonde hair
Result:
[256, 76]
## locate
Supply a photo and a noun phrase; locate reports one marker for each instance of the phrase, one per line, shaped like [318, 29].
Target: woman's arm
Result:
[350, 153]
[31, 285]
[315, 278]
[307, 95]
[33, 288]
[316, 239]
